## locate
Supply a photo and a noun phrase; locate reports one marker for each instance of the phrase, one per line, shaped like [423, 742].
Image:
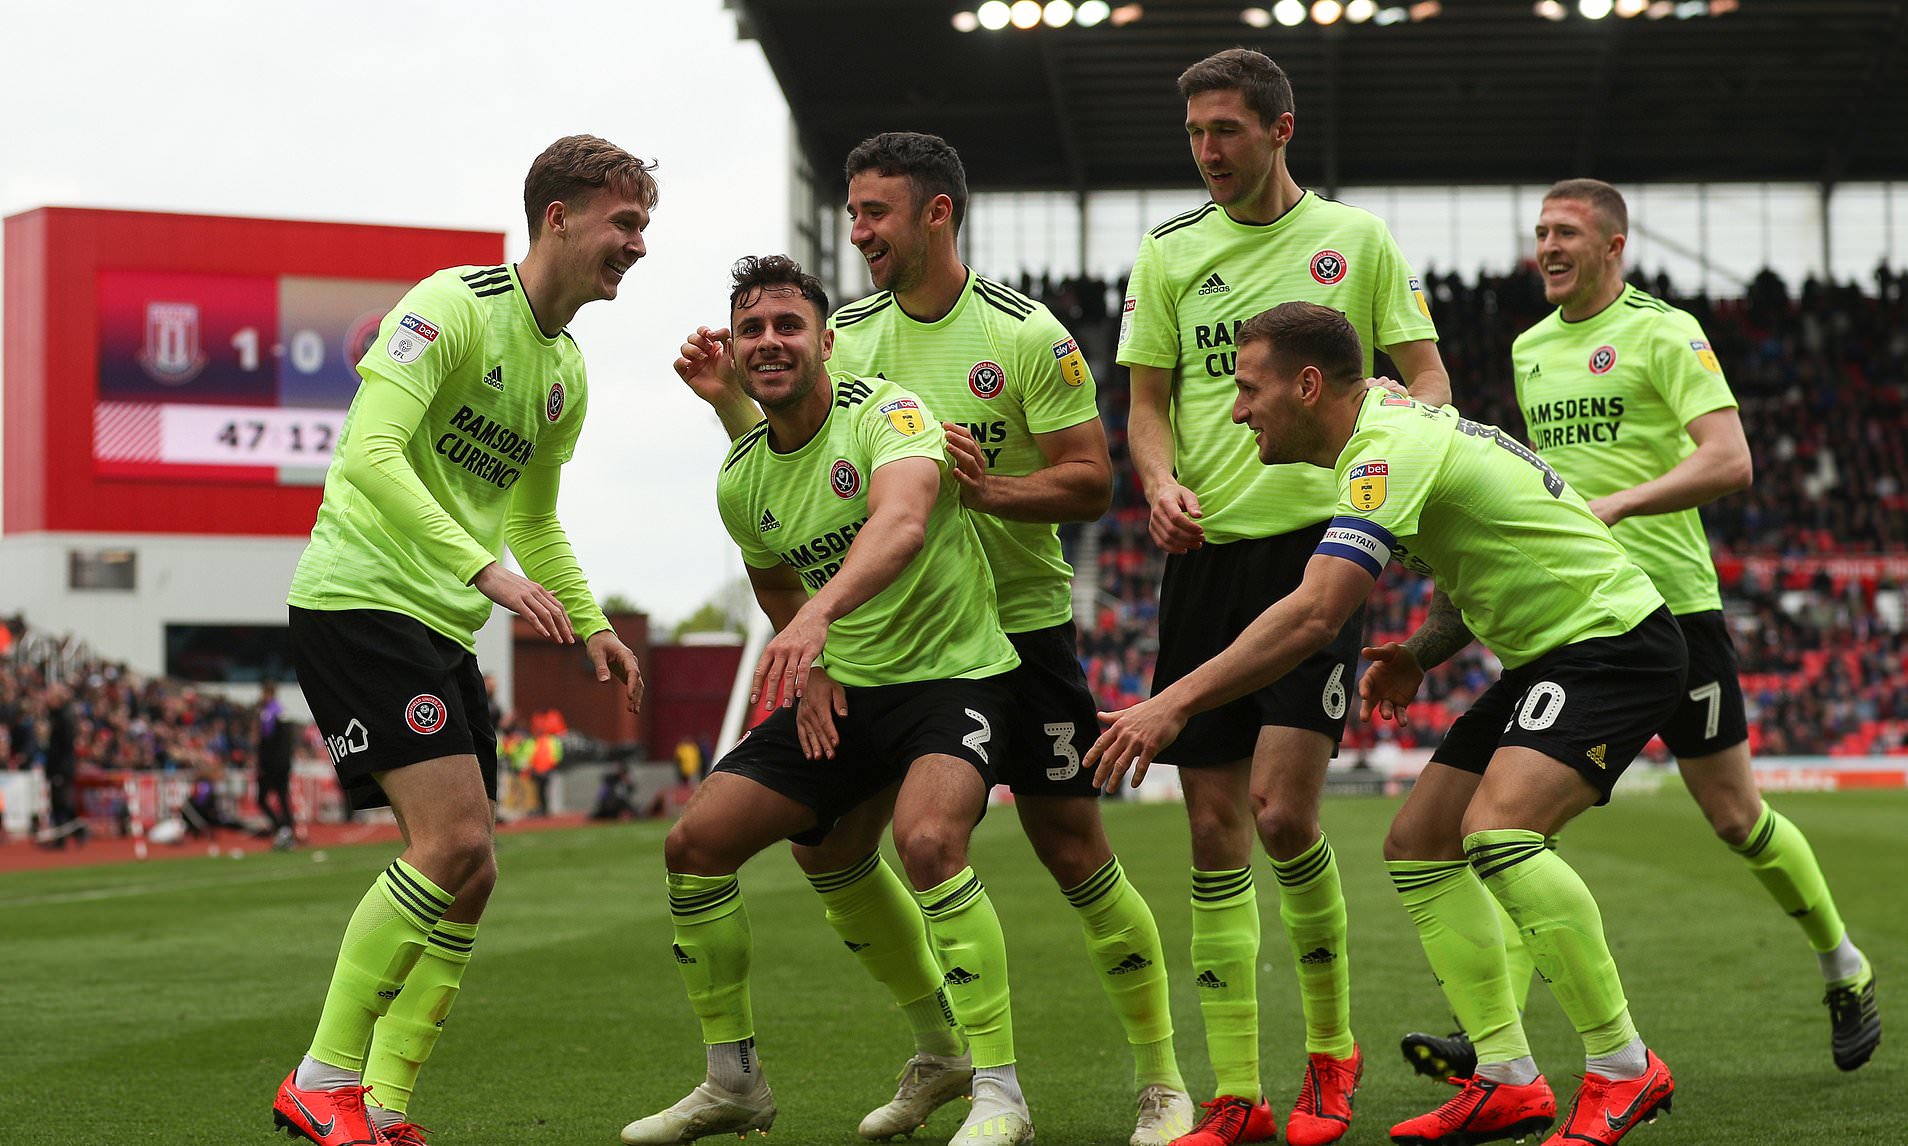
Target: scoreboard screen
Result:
[190, 374]
[250, 374]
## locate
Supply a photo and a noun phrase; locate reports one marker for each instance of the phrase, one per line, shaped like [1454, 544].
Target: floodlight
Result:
[1551, 9]
[993, 15]
[1359, 11]
[1057, 13]
[966, 21]
[1326, 11]
[1291, 13]
[1091, 12]
[1127, 13]
[1256, 18]
[1594, 9]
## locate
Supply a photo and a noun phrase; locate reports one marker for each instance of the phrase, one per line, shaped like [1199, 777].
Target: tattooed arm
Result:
[1391, 683]
[1442, 636]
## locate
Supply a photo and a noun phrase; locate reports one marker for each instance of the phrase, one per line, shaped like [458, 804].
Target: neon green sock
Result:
[1123, 943]
[1225, 955]
[1458, 926]
[1312, 907]
[973, 955]
[1519, 969]
[381, 944]
[408, 1032]
[1560, 923]
[713, 944]
[870, 908]
[1779, 857]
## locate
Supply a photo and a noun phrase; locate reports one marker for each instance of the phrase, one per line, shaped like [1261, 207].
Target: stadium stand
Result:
[1812, 556]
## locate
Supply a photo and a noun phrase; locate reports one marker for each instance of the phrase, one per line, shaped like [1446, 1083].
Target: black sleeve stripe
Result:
[852, 393]
[1010, 293]
[505, 288]
[1179, 222]
[744, 444]
[843, 318]
[1006, 305]
[868, 305]
[487, 272]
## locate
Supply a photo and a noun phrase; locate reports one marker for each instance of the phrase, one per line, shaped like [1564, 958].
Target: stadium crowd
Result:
[1822, 376]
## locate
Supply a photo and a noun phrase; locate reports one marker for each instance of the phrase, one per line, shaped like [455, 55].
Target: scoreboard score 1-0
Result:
[190, 374]
[252, 373]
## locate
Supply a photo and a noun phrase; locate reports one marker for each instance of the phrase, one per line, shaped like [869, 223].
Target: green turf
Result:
[163, 1003]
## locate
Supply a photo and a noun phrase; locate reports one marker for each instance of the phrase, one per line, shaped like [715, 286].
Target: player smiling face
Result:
[1579, 257]
[780, 344]
[1234, 148]
[603, 237]
[889, 228]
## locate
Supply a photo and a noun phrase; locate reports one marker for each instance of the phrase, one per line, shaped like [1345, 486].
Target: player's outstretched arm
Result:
[901, 496]
[1292, 629]
[1423, 368]
[706, 365]
[1076, 484]
[1720, 466]
[1174, 519]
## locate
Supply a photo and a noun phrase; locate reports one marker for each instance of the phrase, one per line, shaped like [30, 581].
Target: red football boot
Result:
[1483, 1111]
[326, 1117]
[1230, 1119]
[1324, 1108]
[1606, 1110]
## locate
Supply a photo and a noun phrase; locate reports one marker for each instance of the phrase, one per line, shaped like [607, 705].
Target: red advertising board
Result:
[187, 373]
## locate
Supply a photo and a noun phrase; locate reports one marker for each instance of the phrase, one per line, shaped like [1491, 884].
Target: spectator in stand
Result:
[61, 770]
[274, 767]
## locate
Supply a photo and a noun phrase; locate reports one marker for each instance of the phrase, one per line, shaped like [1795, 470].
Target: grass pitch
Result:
[163, 1003]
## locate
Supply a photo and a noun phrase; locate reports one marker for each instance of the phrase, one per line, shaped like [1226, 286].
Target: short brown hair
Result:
[1305, 334]
[1263, 83]
[930, 163]
[579, 165]
[754, 274]
[1602, 198]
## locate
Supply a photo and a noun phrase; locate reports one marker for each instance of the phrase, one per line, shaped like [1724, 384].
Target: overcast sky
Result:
[428, 113]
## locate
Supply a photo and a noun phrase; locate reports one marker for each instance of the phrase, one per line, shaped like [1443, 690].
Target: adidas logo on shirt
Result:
[1133, 962]
[769, 522]
[1214, 285]
[494, 379]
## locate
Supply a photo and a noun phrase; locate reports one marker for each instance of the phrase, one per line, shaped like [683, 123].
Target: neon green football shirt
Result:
[1607, 401]
[937, 620]
[1197, 278]
[1515, 548]
[500, 396]
[1000, 364]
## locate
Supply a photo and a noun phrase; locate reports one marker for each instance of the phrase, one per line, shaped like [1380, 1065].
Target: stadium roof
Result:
[1485, 92]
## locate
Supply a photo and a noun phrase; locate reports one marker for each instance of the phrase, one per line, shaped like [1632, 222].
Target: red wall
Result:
[561, 677]
[53, 256]
[689, 690]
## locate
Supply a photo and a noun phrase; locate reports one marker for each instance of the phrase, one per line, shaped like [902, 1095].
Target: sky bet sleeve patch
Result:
[411, 339]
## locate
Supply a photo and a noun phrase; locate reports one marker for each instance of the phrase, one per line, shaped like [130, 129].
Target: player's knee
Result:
[688, 851]
[1285, 830]
[932, 852]
[457, 856]
[1733, 825]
